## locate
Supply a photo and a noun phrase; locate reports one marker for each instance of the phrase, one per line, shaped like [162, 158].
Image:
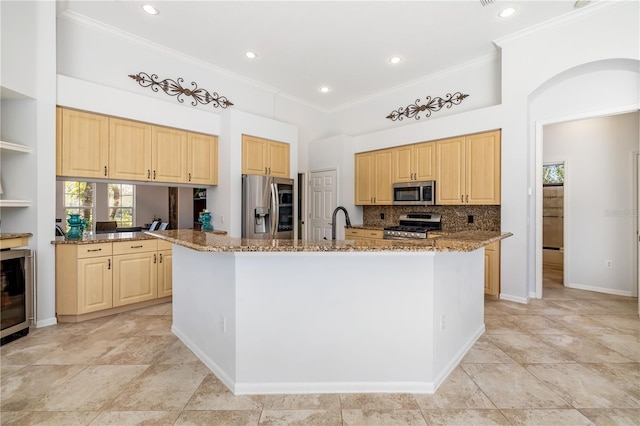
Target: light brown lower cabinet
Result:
[492, 270]
[94, 280]
[165, 271]
[363, 234]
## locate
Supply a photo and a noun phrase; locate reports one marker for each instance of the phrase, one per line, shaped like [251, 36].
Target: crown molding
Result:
[567, 18]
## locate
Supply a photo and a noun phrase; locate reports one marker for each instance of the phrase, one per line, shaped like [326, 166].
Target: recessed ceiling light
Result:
[150, 9]
[581, 3]
[395, 60]
[325, 89]
[250, 55]
[507, 12]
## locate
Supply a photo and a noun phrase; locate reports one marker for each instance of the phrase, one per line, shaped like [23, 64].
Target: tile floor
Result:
[571, 358]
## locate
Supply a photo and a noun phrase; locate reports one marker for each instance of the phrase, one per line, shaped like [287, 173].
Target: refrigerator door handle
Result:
[275, 210]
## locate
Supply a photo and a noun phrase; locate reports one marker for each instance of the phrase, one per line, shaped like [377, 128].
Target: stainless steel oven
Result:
[16, 281]
[414, 193]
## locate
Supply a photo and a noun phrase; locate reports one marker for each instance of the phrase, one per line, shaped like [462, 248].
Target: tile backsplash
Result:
[454, 218]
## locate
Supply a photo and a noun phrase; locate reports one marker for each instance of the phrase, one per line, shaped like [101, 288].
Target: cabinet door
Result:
[483, 168]
[492, 270]
[450, 172]
[425, 161]
[364, 178]
[129, 150]
[278, 155]
[383, 178]
[169, 155]
[85, 144]
[135, 278]
[254, 155]
[203, 159]
[94, 284]
[404, 165]
[165, 260]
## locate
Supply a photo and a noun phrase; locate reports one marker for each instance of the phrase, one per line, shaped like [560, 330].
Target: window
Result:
[121, 205]
[78, 198]
[553, 174]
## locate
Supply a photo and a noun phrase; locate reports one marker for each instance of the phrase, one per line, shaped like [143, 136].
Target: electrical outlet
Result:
[221, 219]
[470, 218]
[223, 323]
[608, 263]
[382, 216]
[442, 322]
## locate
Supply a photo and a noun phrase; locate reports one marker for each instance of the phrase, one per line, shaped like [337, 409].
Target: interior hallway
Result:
[570, 358]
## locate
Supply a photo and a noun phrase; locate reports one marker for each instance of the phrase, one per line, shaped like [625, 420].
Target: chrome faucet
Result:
[333, 220]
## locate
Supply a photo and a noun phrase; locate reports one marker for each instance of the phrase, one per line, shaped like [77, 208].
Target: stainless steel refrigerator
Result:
[267, 207]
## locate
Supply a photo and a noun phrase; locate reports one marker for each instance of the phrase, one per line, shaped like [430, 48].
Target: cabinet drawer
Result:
[372, 233]
[94, 250]
[164, 245]
[350, 232]
[138, 246]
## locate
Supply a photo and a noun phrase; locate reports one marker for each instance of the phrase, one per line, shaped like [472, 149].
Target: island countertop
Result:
[210, 242]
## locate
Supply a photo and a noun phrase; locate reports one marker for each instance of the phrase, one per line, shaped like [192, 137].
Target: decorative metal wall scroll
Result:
[174, 88]
[435, 104]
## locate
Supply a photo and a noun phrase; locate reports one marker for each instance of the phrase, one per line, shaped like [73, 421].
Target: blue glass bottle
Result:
[76, 226]
[205, 219]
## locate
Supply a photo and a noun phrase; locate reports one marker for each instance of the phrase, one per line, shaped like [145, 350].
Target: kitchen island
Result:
[281, 316]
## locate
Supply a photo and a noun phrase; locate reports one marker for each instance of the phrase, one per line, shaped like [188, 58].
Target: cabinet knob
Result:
[148, 174]
[462, 198]
[269, 170]
[105, 170]
[467, 198]
[154, 175]
[154, 258]
[160, 257]
[108, 263]
[189, 177]
[265, 171]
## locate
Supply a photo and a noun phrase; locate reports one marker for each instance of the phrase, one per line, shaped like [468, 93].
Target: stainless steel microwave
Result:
[414, 193]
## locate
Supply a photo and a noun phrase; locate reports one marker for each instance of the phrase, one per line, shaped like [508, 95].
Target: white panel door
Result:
[323, 197]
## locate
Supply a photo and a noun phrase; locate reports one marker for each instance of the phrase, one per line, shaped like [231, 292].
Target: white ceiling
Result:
[303, 45]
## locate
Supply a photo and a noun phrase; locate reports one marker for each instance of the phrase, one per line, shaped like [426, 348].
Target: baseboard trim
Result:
[599, 289]
[46, 322]
[511, 298]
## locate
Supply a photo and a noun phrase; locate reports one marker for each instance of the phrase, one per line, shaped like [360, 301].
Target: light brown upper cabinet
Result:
[203, 159]
[84, 144]
[416, 162]
[468, 169]
[264, 157]
[169, 154]
[96, 146]
[129, 150]
[374, 177]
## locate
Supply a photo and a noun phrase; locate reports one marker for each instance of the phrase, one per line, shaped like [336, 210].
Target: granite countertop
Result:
[105, 238]
[17, 235]
[212, 242]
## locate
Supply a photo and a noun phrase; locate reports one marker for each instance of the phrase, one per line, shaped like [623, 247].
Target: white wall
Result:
[599, 220]
[28, 71]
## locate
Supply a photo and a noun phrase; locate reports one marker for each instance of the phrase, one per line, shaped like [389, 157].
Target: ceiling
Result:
[344, 45]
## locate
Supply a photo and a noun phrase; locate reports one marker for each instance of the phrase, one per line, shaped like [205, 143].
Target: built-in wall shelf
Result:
[15, 203]
[10, 146]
